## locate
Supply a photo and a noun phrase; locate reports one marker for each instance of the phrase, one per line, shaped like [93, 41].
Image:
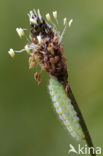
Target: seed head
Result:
[44, 45]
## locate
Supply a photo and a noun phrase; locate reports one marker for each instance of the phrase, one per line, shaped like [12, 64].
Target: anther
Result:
[48, 17]
[65, 21]
[55, 14]
[20, 32]
[33, 20]
[70, 22]
[27, 49]
[39, 39]
[11, 52]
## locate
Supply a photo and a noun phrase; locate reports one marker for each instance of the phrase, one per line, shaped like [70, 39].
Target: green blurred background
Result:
[28, 123]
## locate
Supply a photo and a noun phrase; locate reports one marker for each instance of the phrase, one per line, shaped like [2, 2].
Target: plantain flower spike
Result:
[45, 48]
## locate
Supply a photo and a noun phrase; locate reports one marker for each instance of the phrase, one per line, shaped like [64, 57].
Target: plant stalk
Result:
[82, 122]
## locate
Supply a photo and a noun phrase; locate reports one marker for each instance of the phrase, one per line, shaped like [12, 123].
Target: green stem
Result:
[82, 122]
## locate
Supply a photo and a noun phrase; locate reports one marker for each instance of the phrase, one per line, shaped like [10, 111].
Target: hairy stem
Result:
[82, 122]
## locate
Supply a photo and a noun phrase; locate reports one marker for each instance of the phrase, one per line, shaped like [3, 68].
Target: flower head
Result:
[44, 45]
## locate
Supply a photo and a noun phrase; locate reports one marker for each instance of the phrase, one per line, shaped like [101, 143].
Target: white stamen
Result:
[61, 37]
[11, 52]
[55, 14]
[70, 22]
[48, 17]
[27, 49]
[65, 21]
[20, 32]
[19, 51]
[39, 39]
[39, 15]
[35, 12]
[33, 20]
[31, 14]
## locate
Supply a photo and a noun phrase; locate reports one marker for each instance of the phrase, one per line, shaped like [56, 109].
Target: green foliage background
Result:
[28, 124]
